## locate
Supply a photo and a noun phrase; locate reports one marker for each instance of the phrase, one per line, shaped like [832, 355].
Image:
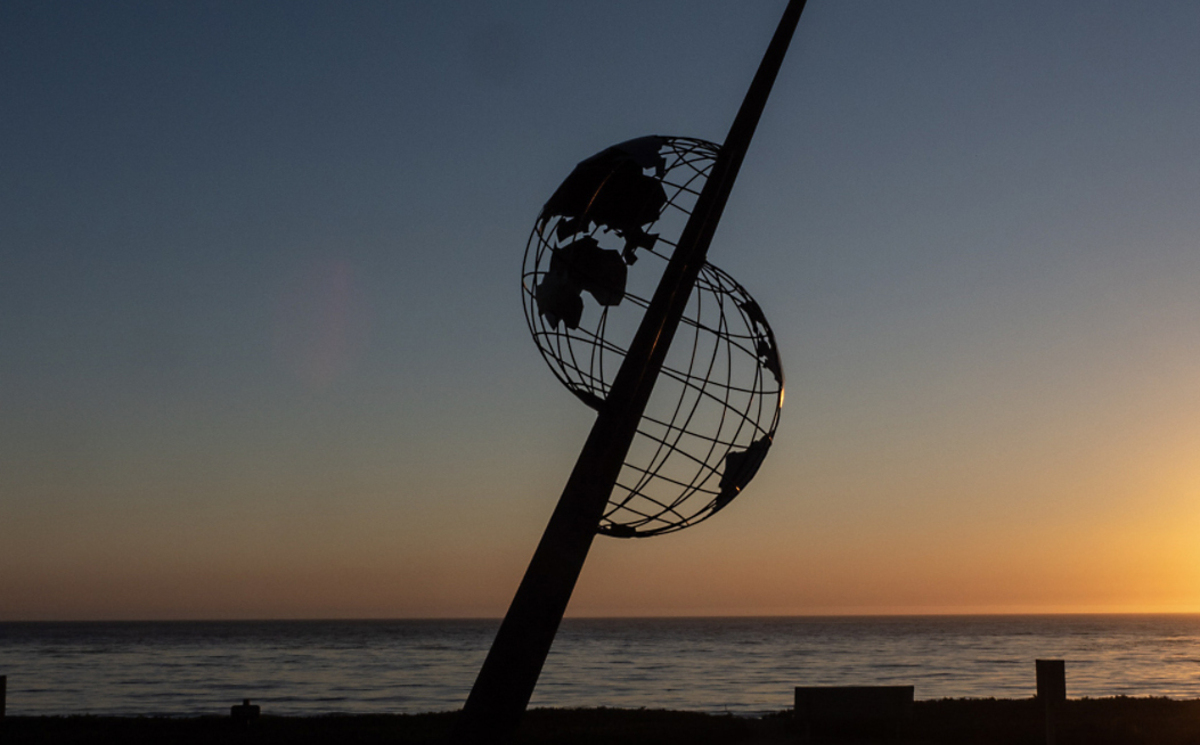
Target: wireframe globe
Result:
[591, 265]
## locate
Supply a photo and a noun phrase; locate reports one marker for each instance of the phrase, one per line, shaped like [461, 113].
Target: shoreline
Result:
[1101, 721]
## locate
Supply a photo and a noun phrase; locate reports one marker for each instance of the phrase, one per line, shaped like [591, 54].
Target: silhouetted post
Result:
[508, 676]
[3, 693]
[244, 712]
[1051, 691]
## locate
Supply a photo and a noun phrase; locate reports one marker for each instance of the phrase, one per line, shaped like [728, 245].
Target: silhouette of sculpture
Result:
[651, 464]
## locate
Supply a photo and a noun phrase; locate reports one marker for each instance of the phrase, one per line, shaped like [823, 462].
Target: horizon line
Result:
[634, 617]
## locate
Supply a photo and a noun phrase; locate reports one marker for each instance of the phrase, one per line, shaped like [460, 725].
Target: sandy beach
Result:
[1107, 721]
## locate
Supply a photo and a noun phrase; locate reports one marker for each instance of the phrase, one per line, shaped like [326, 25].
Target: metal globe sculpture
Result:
[591, 265]
[681, 428]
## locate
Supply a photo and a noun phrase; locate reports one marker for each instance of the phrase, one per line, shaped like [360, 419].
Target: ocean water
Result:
[744, 666]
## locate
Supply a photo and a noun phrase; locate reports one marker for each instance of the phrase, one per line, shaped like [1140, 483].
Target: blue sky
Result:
[264, 353]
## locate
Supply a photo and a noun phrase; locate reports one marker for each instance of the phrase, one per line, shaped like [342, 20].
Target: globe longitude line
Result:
[597, 349]
[725, 409]
[698, 299]
[708, 375]
[758, 370]
[570, 351]
[718, 289]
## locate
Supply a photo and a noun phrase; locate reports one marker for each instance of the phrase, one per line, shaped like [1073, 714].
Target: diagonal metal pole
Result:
[508, 676]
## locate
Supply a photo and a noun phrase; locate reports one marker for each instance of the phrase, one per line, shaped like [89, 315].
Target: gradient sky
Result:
[263, 353]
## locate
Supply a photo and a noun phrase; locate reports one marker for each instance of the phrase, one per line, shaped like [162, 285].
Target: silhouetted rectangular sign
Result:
[1051, 681]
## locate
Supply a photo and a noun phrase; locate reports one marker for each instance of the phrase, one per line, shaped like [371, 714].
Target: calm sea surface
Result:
[740, 665]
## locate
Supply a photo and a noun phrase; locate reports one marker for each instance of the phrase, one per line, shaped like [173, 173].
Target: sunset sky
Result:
[262, 352]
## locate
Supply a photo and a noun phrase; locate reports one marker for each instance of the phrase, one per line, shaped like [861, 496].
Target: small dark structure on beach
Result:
[852, 710]
[244, 712]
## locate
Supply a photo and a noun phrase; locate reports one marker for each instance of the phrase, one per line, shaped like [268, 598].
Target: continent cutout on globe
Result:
[578, 266]
[611, 191]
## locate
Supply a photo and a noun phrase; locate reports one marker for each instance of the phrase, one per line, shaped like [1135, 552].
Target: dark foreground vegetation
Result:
[1109, 721]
